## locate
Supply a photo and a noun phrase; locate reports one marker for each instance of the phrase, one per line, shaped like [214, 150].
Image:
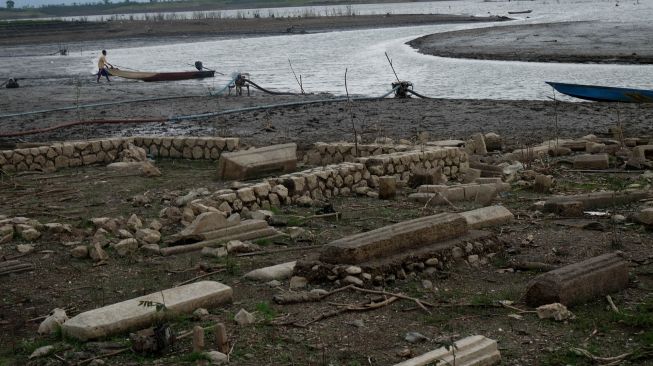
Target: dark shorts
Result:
[102, 72]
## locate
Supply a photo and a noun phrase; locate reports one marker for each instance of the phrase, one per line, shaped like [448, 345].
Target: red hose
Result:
[92, 122]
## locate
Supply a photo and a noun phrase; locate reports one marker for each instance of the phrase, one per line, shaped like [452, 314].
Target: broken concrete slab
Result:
[474, 350]
[644, 216]
[643, 152]
[394, 238]
[276, 272]
[592, 161]
[487, 216]
[208, 221]
[573, 205]
[258, 162]
[387, 187]
[487, 170]
[579, 282]
[248, 230]
[129, 315]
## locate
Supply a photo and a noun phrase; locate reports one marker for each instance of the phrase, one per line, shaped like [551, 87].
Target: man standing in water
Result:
[102, 66]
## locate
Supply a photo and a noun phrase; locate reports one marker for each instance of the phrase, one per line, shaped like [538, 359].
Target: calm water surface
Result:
[322, 58]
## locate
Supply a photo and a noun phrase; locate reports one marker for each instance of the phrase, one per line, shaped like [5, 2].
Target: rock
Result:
[427, 285]
[200, 313]
[214, 252]
[52, 323]
[473, 260]
[591, 162]
[128, 315]
[148, 236]
[126, 246]
[80, 251]
[298, 282]
[276, 272]
[415, 337]
[479, 144]
[30, 234]
[353, 270]
[351, 280]
[140, 200]
[645, 216]
[471, 351]
[619, 218]
[6, 233]
[217, 358]
[304, 201]
[24, 248]
[261, 215]
[155, 225]
[134, 223]
[579, 282]
[487, 216]
[274, 283]
[296, 233]
[97, 253]
[254, 163]
[132, 153]
[208, 221]
[58, 228]
[124, 234]
[492, 141]
[42, 351]
[152, 249]
[244, 318]
[556, 311]
[387, 187]
[543, 183]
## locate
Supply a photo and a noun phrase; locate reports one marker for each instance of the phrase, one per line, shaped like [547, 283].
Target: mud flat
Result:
[586, 42]
[39, 32]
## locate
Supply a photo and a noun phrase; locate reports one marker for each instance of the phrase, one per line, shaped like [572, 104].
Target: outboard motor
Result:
[198, 65]
[12, 84]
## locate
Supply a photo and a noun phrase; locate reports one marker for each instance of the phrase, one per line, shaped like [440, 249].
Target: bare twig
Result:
[201, 276]
[122, 350]
[392, 67]
[301, 87]
[612, 305]
[351, 116]
[364, 307]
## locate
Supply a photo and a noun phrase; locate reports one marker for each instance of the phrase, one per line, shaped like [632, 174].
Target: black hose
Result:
[418, 94]
[268, 91]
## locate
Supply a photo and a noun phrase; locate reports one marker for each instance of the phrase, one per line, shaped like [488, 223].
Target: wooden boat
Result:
[161, 76]
[520, 12]
[604, 93]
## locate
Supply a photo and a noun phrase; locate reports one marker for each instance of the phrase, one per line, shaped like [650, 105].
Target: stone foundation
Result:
[334, 153]
[105, 151]
[321, 183]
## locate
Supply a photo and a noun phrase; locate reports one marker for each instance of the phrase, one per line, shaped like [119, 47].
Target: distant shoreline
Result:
[40, 32]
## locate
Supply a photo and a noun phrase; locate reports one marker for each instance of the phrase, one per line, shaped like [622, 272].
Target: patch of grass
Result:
[27, 346]
[194, 357]
[231, 265]
[263, 242]
[266, 311]
[565, 358]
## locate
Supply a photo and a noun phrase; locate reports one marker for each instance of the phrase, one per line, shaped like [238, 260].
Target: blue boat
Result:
[604, 93]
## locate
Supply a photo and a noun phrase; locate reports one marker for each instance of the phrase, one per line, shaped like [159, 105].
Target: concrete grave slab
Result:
[474, 350]
[592, 161]
[487, 216]
[387, 240]
[258, 162]
[128, 315]
[579, 282]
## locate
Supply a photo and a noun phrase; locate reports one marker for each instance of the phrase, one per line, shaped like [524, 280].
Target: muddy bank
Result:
[519, 121]
[67, 32]
[584, 42]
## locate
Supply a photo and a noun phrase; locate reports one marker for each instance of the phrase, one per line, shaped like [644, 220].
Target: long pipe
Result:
[190, 116]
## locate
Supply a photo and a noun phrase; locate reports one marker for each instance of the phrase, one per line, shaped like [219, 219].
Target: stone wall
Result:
[359, 177]
[333, 153]
[105, 151]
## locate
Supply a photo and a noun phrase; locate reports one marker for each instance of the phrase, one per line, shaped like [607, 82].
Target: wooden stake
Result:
[221, 338]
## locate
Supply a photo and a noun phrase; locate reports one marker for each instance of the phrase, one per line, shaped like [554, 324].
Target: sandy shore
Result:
[520, 122]
[592, 42]
[69, 32]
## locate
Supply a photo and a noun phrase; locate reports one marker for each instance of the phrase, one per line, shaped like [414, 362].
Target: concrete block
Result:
[259, 162]
[474, 350]
[129, 315]
[387, 187]
[394, 238]
[594, 200]
[592, 161]
[643, 152]
[208, 221]
[487, 216]
[579, 282]
[276, 272]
